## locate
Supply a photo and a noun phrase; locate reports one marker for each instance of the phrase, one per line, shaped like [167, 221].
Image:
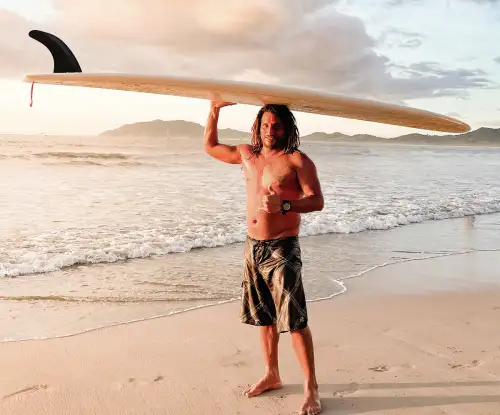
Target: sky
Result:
[438, 55]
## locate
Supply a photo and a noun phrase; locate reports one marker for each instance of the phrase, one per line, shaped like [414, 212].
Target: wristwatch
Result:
[285, 206]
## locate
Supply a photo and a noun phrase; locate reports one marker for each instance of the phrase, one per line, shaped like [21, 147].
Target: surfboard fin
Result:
[64, 60]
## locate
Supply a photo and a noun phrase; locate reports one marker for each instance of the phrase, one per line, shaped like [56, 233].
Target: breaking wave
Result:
[64, 248]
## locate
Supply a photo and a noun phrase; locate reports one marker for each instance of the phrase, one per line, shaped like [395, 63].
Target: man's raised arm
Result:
[222, 152]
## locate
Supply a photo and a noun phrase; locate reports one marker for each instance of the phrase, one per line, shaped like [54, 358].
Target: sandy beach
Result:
[377, 352]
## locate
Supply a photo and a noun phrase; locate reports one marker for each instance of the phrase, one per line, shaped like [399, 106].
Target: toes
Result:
[310, 410]
[249, 391]
[314, 411]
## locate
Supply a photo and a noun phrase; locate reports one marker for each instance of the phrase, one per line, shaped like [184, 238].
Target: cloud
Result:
[308, 44]
[448, 2]
[402, 2]
[16, 48]
[489, 122]
[497, 59]
[483, 1]
[432, 80]
[393, 37]
[433, 68]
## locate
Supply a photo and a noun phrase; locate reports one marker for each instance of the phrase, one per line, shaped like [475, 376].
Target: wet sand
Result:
[409, 259]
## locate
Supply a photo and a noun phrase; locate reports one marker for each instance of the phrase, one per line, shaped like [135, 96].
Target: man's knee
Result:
[301, 331]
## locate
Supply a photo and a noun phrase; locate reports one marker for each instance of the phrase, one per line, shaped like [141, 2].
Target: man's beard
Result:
[276, 143]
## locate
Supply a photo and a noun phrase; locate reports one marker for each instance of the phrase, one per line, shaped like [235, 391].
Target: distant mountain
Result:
[482, 136]
[186, 129]
[170, 129]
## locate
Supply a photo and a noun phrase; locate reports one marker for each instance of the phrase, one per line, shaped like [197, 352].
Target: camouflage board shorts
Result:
[272, 289]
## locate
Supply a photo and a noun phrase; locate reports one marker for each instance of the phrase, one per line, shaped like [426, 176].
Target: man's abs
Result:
[264, 226]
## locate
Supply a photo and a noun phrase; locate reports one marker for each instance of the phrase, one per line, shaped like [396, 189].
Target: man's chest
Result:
[262, 173]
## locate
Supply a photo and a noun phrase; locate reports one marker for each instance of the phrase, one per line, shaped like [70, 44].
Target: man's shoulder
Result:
[301, 159]
[244, 148]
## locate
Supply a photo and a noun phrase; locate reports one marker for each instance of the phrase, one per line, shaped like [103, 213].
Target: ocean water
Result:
[97, 231]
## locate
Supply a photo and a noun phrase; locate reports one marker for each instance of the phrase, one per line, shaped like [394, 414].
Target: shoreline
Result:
[406, 247]
[359, 288]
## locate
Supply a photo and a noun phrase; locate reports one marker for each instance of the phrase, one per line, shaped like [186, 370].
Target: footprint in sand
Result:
[474, 363]
[237, 364]
[386, 368]
[234, 360]
[136, 382]
[351, 388]
[382, 368]
[25, 390]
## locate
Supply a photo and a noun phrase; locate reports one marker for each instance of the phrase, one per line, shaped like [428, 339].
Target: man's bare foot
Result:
[267, 383]
[312, 404]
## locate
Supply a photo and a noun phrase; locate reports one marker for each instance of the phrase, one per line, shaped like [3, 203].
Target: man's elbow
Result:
[315, 202]
[209, 149]
[320, 204]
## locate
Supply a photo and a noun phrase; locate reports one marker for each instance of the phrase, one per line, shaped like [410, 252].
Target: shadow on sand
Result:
[340, 403]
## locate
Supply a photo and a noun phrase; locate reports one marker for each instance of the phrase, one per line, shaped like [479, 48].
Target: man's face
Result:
[272, 131]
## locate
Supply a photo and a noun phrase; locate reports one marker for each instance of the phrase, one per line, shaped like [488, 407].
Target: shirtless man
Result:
[281, 183]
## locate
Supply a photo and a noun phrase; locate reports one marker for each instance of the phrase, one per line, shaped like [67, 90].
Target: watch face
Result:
[286, 205]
